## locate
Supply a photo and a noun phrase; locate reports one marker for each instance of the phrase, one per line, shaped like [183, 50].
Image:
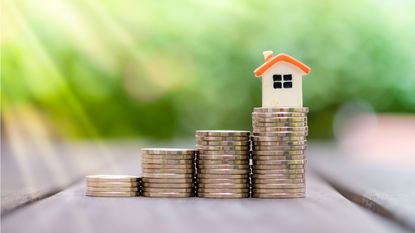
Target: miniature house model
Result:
[281, 80]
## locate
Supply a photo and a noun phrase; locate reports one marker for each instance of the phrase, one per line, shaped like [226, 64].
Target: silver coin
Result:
[278, 166]
[168, 180]
[276, 148]
[221, 181]
[222, 176]
[279, 171]
[165, 189]
[230, 138]
[168, 157]
[223, 195]
[287, 143]
[278, 195]
[112, 189]
[223, 185]
[277, 176]
[278, 181]
[222, 133]
[278, 139]
[222, 190]
[112, 178]
[111, 194]
[224, 166]
[223, 162]
[223, 148]
[222, 152]
[167, 166]
[166, 175]
[285, 114]
[272, 158]
[280, 162]
[223, 143]
[257, 186]
[280, 129]
[168, 171]
[278, 119]
[167, 162]
[278, 190]
[223, 171]
[168, 185]
[168, 151]
[281, 109]
[281, 134]
[260, 125]
[167, 194]
[278, 152]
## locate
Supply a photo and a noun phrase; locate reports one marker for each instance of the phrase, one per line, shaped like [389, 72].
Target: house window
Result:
[282, 81]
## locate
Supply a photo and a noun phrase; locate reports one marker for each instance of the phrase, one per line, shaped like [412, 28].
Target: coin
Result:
[278, 186]
[223, 148]
[165, 175]
[222, 176]
[225, 138]
[168, 166]
[223, 143]
[223, 153]
[278, 166]
[226, 133]
[223, 171]
[223, 162]
[256, 124]
[168, 185]
[287, 143]
[277, 176]
[224, 157]
[278, 139]
[268, 120]
[112, 189]
[165, 189]
[168, 151]
[278, 181]
[278, 152]
[281, 134]
[281, 109]
[111, 194]
[167, 194]
[170, 158]
[276, 148]
[222, 190]
[278, 195]
[171, 171]
[221, 181]
[279, 171]
[224, 166]
[280, 114]
[280, 129]
[278, 190]
[165, 161]
[112, 178]
[261, 158]
[224, 185]
[280, 162]
[168, 180]
[223, 195]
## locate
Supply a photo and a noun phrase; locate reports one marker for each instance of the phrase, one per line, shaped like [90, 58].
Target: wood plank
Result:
[324, 210]
[388, 190]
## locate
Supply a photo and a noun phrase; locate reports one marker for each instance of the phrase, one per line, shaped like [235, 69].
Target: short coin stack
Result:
[223, 163]
[279, 144]
[112, 185]
[168, 172]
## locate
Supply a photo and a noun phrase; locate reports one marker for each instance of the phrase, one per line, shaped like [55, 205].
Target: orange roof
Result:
[281, 57]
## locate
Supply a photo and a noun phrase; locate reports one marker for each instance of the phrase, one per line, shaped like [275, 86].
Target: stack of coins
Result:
[168, 172]
[223, 163]
[279, 144]
[112, 186]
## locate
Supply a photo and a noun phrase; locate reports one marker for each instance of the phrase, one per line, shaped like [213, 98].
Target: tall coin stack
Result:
[223, 163]
[112, 186]
[279, 144]
[168, 172]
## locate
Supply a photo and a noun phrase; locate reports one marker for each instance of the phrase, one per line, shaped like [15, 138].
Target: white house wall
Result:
[283, 97]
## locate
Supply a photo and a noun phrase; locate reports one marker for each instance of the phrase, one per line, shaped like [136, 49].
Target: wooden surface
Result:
[325, 209]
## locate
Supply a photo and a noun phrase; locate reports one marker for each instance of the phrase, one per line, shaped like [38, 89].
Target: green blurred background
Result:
[162, 69]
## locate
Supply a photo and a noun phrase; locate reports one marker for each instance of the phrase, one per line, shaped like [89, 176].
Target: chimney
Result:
[267, 55]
